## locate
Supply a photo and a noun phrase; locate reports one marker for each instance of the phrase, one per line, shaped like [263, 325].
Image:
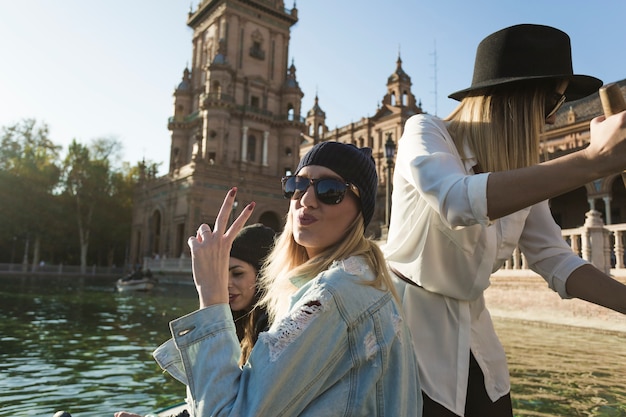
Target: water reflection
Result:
[75, 344]
[79, 346]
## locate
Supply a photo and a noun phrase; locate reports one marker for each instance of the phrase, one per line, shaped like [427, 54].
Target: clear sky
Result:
[108, 68]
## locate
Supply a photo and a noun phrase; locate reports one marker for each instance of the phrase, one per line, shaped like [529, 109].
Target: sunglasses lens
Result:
[327, 190]
[289, 186]
[330, 191]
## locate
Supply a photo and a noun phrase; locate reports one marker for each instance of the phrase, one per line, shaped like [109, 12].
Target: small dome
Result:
[219, 59]
[186, 81]
[291, 81]
[316, 110]
[399, 74]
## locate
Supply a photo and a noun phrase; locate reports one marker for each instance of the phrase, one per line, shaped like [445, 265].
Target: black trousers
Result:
[477, 404]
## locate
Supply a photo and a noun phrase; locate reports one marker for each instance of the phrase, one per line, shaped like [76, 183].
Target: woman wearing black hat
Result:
[469, 189]
[337, 344]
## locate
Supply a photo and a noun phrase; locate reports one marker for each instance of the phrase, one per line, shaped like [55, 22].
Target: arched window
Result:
[216, 89]
[291, 112]
[179, 113]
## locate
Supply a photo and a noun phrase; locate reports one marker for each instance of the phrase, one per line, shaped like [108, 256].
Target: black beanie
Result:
[252, 244]
[355, 165]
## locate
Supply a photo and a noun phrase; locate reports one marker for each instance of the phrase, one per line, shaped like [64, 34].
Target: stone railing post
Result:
[619, 250]
[594, 241]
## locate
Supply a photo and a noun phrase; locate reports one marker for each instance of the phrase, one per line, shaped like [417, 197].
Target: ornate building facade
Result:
[397, 105]
[238, 121]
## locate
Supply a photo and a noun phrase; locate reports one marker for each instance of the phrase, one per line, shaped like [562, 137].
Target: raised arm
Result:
[510, 191]
[590, 284]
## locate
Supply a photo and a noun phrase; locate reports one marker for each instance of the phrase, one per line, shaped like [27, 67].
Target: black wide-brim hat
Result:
[526, 52]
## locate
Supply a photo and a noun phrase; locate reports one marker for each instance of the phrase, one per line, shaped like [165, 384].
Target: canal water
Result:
[77, 345]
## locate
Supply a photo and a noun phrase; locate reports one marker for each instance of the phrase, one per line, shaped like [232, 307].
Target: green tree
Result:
[114, 216]
[88, 181]
[45, 203]
[29, 175]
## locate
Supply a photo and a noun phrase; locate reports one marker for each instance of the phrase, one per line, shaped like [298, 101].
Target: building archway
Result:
[569, 209]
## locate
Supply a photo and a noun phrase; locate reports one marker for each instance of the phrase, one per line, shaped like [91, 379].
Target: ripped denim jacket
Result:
[342, 350]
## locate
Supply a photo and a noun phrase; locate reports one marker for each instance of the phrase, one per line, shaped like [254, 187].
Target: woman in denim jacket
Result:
[337, 344]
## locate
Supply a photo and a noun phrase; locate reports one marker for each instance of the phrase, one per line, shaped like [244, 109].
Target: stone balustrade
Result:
[600, 244]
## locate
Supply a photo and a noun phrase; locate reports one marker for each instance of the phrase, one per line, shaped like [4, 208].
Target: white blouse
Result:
[440, 237]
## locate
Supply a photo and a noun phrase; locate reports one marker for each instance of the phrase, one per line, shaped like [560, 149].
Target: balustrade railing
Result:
[602, 245]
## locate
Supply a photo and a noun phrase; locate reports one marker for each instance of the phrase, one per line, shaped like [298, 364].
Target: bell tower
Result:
[245, 100]
[316, 122]
[236, 123]
[399, 88]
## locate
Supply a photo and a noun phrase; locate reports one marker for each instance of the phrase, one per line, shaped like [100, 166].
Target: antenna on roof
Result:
[434, 54]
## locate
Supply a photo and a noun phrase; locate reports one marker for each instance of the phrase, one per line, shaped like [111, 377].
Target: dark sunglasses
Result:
[560, 99]
[327, 190]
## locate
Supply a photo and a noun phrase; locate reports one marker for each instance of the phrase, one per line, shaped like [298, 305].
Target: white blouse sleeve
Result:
[546, 251]
[429, 160]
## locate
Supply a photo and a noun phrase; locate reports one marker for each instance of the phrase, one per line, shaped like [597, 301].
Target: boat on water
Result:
[136, 281]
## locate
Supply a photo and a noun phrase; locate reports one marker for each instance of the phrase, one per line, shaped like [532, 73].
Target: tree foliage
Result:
[29, 174]
[75, 210]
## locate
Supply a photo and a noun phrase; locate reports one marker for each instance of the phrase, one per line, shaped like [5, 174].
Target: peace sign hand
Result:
[210, 252]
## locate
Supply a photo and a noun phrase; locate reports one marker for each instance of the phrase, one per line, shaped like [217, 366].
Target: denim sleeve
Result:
[286, 370]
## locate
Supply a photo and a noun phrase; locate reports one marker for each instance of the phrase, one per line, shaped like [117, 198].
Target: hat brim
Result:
[579, 86]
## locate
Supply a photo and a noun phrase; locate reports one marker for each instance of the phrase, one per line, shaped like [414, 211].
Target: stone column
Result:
[244, 144]
[266, 135]
[592, 204]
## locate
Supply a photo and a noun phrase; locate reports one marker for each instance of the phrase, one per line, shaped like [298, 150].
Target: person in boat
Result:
[135, 274]
[337, 342]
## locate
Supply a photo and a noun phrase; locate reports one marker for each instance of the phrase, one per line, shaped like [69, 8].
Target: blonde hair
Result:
[503, 125]
[288, 260]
